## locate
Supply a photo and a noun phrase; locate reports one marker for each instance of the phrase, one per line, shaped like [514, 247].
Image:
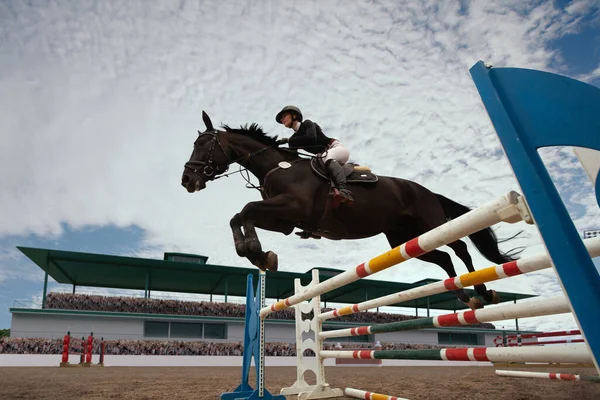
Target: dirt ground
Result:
[414, 383]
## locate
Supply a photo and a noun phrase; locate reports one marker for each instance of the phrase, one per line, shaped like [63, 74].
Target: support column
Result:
[226, 288]
[45, 282]
[147, 287]
[45, 289]
[516, 319]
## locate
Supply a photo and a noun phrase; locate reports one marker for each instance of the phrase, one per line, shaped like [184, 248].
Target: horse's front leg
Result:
[278, 214]
[247, 244]
[238, 236]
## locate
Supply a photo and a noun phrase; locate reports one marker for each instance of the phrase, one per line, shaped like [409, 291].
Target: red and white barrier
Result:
[547, 375]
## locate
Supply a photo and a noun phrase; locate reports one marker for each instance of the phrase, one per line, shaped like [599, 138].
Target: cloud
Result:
[105, 100]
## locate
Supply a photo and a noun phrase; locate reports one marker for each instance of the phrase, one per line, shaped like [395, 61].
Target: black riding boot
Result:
[336, 173]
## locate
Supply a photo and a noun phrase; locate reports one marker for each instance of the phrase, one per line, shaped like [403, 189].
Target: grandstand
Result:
[184, 327]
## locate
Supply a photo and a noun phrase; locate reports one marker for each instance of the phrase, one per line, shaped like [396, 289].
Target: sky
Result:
[101, 100]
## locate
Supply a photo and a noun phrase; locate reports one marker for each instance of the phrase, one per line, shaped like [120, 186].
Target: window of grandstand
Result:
[186, 330]
[156, 329]
[460, 338]
[185, 258]
[215, 331]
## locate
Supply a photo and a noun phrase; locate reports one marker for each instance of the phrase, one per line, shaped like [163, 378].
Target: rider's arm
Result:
[307, 137]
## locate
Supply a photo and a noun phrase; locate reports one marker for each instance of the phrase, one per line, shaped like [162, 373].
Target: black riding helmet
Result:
[292, 109]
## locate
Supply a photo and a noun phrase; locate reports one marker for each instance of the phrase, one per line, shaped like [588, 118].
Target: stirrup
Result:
[340, 198]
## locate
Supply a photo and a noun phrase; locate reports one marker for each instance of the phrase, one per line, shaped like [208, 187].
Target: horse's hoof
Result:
[260, 267]
[495, 297]
[271, 262]
[474, 303]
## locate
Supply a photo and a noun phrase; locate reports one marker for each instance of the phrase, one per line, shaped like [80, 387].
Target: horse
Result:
[295, 195]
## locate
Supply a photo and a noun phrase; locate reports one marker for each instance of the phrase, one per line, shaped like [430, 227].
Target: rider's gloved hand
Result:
[304, 234]
[282, 141]
[307, 235]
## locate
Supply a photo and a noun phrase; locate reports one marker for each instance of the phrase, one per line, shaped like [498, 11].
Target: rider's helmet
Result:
[293, 109]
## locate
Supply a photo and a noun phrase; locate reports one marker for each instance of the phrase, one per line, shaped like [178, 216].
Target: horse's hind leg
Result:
[460, 249]
[431, 215]
[436, 257]
[443, 260]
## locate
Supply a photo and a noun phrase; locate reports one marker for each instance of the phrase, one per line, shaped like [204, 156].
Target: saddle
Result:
[354, 173]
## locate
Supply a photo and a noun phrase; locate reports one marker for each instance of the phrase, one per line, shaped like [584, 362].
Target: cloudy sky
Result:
[101, 101]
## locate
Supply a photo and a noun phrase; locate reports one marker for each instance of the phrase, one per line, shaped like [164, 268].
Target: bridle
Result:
[205, 169]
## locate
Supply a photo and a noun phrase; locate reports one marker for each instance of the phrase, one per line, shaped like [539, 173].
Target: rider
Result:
[309, 137]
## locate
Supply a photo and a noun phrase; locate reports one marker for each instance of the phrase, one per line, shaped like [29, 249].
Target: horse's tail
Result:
[484, 240]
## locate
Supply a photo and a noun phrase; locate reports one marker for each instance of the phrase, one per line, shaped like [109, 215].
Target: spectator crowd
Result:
[173, 348]
[121, 304]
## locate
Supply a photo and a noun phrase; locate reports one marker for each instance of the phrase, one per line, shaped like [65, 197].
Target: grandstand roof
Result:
[186, 273]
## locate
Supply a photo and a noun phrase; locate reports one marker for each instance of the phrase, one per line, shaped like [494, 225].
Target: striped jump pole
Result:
[361, 394]
[508, 208]
[544, 334]
[572, 353]
[534, 308]
[547, 375]
[548, 342]
[520, 339]
[512, 268]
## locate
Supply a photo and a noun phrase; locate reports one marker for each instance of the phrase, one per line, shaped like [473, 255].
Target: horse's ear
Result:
[207, 121]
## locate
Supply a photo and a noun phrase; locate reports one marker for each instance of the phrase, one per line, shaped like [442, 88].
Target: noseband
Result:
[206, 168]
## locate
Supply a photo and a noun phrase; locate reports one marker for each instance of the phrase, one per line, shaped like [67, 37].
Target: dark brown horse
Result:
[295, 196]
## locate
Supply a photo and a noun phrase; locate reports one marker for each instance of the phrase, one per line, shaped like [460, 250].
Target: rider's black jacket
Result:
[310, 138]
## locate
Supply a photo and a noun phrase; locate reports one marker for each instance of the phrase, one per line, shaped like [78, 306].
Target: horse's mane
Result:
[253, 131]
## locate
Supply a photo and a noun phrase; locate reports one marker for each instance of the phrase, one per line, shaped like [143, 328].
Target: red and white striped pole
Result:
[547, 375]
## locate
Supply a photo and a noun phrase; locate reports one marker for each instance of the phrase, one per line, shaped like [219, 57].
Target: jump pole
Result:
[572, 353]
[361, 394]
[547, 375]
[534, 308]
[544, 334]
[544, 343]
[517, 340]
[513, 268]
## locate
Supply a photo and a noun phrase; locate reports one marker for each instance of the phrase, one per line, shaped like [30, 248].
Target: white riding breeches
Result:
[336, 151]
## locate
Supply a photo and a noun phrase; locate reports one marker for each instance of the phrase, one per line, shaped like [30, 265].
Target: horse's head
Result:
[208, 160]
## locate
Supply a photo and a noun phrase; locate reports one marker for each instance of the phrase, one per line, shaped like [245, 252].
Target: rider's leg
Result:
[334, 158]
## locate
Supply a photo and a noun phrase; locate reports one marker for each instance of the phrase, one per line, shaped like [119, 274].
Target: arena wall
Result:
[45, 324]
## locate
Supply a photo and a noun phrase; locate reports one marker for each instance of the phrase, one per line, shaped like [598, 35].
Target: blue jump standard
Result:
[251, 348]
[533, 109]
